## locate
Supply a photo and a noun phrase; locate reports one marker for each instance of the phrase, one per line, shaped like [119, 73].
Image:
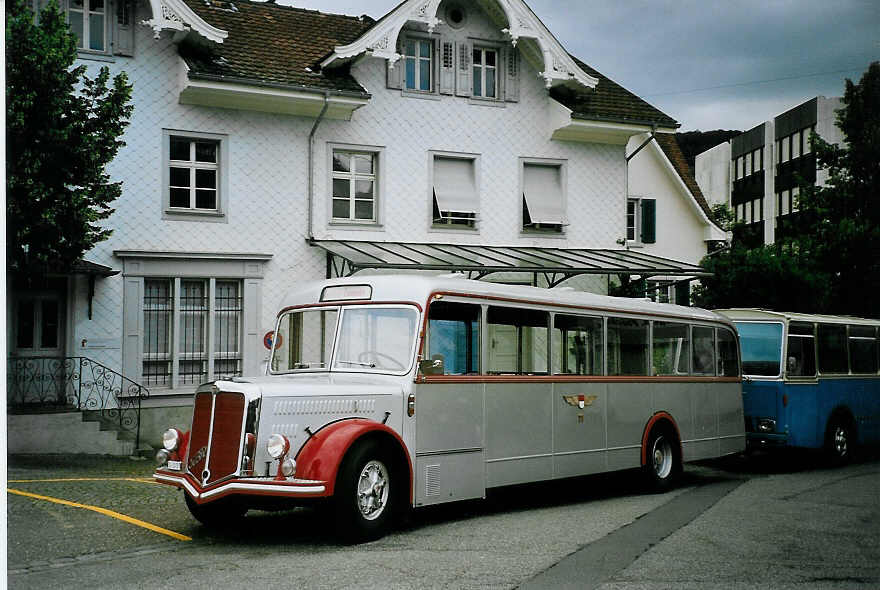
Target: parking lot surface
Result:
[761, 524]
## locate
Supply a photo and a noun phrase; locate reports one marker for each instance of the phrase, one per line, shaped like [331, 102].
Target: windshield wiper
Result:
[370, 365]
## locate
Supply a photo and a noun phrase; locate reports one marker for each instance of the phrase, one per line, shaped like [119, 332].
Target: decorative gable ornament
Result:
[177, 16]
[381, 40]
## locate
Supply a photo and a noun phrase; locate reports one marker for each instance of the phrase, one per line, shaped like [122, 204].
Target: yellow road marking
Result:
[135, 479]
[105, 512]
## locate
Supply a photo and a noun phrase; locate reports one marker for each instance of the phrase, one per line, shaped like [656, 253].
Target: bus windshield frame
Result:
[762, 332]
[357, 341]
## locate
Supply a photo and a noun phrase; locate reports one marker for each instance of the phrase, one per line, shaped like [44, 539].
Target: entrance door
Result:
[37, 370]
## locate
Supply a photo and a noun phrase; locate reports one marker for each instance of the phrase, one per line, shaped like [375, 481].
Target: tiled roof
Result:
[609, 101]
[670, 147]
[273, 44]
[280, 45]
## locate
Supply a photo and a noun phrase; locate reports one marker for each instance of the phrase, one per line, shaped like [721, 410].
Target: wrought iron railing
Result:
[74, 383]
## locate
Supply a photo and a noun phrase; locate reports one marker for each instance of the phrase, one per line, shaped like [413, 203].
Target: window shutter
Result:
[683, 293]
[123, 29]
[447, 67]
[465, 77]
[511, 78]
[649, 221]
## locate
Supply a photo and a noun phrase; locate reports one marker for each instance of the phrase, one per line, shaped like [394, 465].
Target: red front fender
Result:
[319, 459]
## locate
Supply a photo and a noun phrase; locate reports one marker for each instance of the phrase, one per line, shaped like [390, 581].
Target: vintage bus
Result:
[390, 392]
[811, 381]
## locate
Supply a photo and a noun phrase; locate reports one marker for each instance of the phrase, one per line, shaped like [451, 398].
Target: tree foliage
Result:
[829, 261]
[63, 128]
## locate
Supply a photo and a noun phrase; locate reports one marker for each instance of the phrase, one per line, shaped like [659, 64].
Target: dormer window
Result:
[418, 56]
[485, 70]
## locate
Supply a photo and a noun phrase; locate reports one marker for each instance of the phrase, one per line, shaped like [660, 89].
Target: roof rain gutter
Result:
[312, 160]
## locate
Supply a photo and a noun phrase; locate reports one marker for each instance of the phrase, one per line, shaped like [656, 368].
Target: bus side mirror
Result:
[433, 366]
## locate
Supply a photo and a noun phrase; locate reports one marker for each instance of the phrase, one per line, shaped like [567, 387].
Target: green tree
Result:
[62, 128]
[839, 223]
[830, 261]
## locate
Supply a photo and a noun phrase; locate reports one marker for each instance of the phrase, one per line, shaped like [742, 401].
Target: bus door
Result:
[579, 406]
[518, 406]
[450, 458]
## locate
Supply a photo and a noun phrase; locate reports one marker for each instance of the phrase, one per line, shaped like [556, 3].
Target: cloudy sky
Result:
[710, 64]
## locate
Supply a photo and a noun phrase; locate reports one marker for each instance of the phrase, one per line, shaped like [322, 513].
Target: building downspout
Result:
[311, 197]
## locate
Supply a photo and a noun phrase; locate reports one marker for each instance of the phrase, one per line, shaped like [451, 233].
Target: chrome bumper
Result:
[256, 486]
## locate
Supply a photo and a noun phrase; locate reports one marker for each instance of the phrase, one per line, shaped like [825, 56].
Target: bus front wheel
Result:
[662, 460]
[840, 440]
[366, 496]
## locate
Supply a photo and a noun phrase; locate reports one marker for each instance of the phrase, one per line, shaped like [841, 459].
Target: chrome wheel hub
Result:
[840, 443]
[372, 490]
[662, 453]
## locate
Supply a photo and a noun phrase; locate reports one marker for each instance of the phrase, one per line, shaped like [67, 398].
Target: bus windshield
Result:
[761, 346]
[369, 339]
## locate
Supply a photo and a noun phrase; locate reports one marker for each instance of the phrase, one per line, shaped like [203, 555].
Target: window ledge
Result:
[94, 55]
[362, 225]
[422, 95]
[537, 233]
[170, 214]
[453, 229]
[634, 244]
[487, 102]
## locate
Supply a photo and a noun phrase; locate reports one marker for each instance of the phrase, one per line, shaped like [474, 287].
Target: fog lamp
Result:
[171, 439]
[766, 425]
[288, 467]
[162, 457]
[277, 446]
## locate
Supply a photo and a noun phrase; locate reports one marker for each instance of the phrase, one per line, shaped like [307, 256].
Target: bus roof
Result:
[754, 314]
[418, 287]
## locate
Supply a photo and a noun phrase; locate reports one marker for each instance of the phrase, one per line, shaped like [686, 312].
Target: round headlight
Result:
[170, 439]
[162, 457]
[277, 446]
[288, 467]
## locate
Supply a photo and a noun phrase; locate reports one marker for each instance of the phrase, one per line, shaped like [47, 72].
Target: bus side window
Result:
[800, 358]
[704, 350]
[517, 341]
[727, 354]
[577, 345]
[862, 349]
[453, 338]
[671, 350]
[832, 349]
[627, 346]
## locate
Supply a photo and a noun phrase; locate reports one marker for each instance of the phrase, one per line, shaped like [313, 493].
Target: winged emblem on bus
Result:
[580, 400]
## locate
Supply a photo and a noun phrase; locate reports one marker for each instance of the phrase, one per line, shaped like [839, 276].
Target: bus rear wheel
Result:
[839, 440]
[662, 460]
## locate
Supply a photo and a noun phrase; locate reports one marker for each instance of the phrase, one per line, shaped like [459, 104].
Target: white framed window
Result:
[88, 21]
[785, 155]
[418, 55]
[485, 72]
[807, 131]
[454, 192]
[748, 171]
[194, 173]
[354, 189]
[543, 195]
[796, 145]
[192, 330]
[632, 220]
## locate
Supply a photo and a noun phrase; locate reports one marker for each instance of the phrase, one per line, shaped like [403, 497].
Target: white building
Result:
[271, 145]
[736, 172]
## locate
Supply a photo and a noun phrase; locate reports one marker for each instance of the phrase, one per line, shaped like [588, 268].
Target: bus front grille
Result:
[216, 437]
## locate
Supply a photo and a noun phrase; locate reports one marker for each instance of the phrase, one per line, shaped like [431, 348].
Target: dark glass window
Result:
[627, 346]
[862, 349]
[517, 340]
[454, 338]
[727, 354]
[671, 351]
[704, 350]
[800, 359]
[832, 349]
[577, 345]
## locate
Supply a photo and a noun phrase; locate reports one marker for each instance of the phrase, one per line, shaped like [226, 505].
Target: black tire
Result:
[840, 440]
[662, 467]
[367, 494]
[221, 513]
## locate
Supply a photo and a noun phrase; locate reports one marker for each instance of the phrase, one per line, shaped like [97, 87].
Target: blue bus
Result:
[810, 381]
